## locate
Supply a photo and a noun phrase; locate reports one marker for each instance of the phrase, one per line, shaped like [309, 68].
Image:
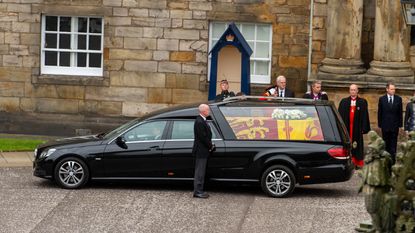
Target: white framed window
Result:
[72, 45]
[259, 38]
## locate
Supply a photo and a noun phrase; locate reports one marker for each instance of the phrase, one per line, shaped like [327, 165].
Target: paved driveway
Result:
[29, 204]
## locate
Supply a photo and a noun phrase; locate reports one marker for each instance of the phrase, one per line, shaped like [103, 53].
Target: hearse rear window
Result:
[274, 123]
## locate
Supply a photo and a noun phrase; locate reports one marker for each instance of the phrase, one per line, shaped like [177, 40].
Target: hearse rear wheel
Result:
[278, 181]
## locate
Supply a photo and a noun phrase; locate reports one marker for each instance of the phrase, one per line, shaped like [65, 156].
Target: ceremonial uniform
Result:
[355, 115]
[223, 95]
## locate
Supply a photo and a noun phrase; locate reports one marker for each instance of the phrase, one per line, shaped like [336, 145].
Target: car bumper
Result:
[42, 169]
[325, 174]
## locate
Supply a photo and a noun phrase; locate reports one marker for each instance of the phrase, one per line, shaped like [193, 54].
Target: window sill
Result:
[71, 80]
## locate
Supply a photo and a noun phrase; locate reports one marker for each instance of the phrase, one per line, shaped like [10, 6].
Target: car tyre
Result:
[278, 181]
[71, 173]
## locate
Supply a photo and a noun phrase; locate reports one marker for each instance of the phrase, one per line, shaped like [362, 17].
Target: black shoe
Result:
[201, 195]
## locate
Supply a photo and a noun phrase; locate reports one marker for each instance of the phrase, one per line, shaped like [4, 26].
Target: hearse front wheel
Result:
[278, 181]
[71, 173]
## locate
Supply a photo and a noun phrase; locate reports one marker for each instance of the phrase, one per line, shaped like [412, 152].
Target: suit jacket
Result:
[409, 122]
[390, 116]
[203, 138]
[321, 96]
[274, 89]
[288, 93]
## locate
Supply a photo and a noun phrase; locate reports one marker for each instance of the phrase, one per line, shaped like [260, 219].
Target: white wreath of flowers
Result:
[288, 114]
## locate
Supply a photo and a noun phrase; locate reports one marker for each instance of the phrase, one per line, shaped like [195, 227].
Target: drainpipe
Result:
[310, 42]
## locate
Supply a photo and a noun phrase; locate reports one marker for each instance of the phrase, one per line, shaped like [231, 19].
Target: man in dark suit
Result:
[280, 89]
[390, 118]
[202, 148]
[316, 93]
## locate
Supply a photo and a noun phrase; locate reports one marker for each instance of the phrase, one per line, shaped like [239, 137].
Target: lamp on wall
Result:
[408, 11]
[230, 37]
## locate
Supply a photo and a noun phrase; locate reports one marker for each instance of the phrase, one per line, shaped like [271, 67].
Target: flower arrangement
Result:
[288, 114]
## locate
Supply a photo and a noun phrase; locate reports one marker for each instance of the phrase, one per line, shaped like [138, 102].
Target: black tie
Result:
[390, 100]
[280, 93]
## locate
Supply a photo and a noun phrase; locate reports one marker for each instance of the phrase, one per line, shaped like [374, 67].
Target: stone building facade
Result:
[367, 43]
[154, 54]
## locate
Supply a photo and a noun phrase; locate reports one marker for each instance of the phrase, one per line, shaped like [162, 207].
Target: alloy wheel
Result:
[71, 173]
[278, 182]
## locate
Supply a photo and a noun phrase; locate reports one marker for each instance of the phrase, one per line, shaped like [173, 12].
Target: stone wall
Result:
[155, 54]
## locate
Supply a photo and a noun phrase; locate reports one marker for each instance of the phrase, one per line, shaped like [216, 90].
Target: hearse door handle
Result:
[153, 148]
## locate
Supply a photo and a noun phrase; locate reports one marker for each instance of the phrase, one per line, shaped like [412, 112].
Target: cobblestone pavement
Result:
[30, 204]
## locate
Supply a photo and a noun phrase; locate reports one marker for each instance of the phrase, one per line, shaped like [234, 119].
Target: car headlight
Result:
[46, 153]
[35, 153]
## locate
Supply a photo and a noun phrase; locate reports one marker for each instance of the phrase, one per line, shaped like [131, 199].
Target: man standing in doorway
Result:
[280, 89]
[202, 148]
[390, 118]
[355, 115]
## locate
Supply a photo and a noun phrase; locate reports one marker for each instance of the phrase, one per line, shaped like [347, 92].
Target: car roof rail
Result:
[269, 98]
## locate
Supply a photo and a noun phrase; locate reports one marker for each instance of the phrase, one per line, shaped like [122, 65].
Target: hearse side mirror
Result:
[120, 141]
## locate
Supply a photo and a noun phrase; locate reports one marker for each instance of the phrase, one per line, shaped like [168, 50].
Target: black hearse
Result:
[275, 142]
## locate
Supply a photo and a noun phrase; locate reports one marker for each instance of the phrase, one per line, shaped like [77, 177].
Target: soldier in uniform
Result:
[225, 93]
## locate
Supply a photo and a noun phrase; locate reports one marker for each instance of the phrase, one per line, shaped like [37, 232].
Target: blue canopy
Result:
[232, 36]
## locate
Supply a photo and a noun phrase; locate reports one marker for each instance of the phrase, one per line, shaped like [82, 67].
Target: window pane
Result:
[51, 58]
[214, 43]
[215, 133]
[252, 67]
[95, 60]
[81, 41]
[81, 60]
[51, 23]
[64, 59]
[50, 40]
[218, 29]
[274, 123]
[64, 41]
[262, 50]
[82, 24]
[146, 132]
[248, 31]
[261, 68]
[182, 130]
[65, 24]
[95, 42]
[95, 25]
[251, 44]
[263, 32]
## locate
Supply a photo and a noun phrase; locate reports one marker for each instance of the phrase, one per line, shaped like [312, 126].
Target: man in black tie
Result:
[202, 148]
[390, 118]
[280, 89]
